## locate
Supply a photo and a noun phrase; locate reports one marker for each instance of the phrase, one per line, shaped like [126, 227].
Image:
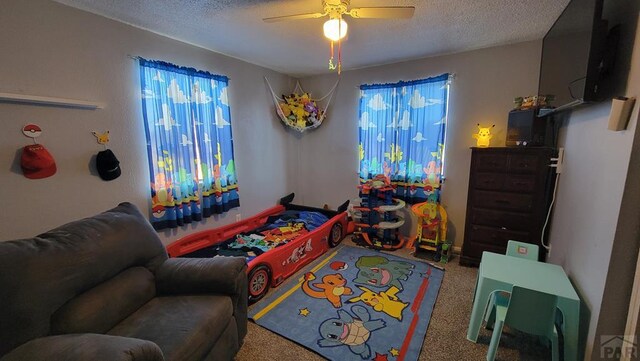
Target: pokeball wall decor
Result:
[32, 131]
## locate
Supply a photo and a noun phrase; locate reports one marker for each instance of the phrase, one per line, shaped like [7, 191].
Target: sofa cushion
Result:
[185, 327]
[104, 306]
[85, 347]
[39, 275]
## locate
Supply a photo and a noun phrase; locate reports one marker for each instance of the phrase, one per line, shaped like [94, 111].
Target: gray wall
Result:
[486, 81]
[594, 229]
[53, 50]
[588, 203]
[618, 287]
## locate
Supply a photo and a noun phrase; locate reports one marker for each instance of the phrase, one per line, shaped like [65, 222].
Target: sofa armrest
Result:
[201, 275]
[86, 346]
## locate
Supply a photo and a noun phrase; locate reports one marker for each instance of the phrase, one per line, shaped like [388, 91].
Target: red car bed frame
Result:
[271, 268]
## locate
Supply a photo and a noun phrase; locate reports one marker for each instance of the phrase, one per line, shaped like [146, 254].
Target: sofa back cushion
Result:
[104, 306]
[40, 274]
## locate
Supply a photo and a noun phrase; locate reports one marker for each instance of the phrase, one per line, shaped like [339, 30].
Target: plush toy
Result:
[312, 120]
[483, 136]
[533, 101]
[518, 102]
[310, 107]
[300, 111]
[301, 123]
[529, 102]
[285, 109]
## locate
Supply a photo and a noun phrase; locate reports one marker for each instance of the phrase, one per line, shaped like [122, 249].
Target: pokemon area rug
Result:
[355, 304]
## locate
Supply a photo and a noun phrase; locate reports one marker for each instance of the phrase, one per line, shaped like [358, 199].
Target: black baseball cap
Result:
[108, 165]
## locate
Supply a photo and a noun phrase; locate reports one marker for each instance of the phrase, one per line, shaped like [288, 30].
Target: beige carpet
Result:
[445, 339]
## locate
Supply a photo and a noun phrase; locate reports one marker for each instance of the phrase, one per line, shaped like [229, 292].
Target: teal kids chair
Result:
[528, 311]
[522, 250]
[514, 249]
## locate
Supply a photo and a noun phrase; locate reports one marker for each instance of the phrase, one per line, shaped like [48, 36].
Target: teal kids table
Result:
[501, 272]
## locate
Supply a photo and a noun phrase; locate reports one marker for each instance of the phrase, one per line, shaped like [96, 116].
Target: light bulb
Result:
[335, 29]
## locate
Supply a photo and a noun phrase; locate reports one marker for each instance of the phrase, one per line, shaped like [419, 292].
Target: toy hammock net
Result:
[298, 110]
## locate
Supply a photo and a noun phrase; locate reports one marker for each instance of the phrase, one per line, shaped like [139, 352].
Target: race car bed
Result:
[276, 242]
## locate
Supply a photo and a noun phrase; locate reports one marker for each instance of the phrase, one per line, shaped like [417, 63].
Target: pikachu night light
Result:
[483, 136]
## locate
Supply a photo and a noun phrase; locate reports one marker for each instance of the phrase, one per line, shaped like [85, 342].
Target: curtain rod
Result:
[452, 77]
[135, 57]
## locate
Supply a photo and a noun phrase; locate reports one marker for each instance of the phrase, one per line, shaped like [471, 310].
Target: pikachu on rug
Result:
[384, 301]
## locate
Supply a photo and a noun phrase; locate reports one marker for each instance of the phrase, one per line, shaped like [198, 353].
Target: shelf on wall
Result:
[40, 100]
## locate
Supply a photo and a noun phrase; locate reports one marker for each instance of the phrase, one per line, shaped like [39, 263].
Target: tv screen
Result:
[570, 54]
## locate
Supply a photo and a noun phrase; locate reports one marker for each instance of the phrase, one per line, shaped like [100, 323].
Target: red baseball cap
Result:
[37, 162]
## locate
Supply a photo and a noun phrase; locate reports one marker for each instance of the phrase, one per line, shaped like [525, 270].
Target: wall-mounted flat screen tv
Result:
[574, 53]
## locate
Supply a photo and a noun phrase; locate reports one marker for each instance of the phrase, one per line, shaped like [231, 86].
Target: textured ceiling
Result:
[235, 28]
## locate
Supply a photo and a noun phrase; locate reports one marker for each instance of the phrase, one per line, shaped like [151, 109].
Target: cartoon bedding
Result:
[277, 231]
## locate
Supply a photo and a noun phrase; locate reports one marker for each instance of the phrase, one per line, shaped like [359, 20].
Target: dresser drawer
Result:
[489, 181]
[503, 220]
[520, 183]
[506, 201]
[524, 163]
[495, 236]
[491, 162]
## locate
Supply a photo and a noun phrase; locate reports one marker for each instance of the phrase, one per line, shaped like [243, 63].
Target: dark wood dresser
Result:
[509, 193]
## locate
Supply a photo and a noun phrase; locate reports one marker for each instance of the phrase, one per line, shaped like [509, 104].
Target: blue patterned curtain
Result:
[189, 143]
[402, 128]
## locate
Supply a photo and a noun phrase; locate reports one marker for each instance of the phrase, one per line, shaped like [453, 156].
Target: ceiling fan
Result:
[336, 28]
[335, 9]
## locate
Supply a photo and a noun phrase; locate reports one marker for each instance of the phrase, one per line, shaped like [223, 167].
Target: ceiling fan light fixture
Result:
[335, 29]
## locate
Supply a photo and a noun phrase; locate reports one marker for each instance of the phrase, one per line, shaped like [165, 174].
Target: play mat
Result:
[355, 304]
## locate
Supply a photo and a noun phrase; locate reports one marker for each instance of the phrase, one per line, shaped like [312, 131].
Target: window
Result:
[402, 129]
[189, 143]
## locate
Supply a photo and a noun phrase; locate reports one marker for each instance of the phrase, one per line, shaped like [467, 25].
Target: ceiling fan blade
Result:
[293, 17]
[386, 12]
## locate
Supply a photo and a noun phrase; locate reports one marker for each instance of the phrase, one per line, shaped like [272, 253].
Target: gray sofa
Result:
[102, 288]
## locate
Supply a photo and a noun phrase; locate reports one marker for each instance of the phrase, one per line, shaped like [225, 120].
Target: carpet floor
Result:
[446, 335]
